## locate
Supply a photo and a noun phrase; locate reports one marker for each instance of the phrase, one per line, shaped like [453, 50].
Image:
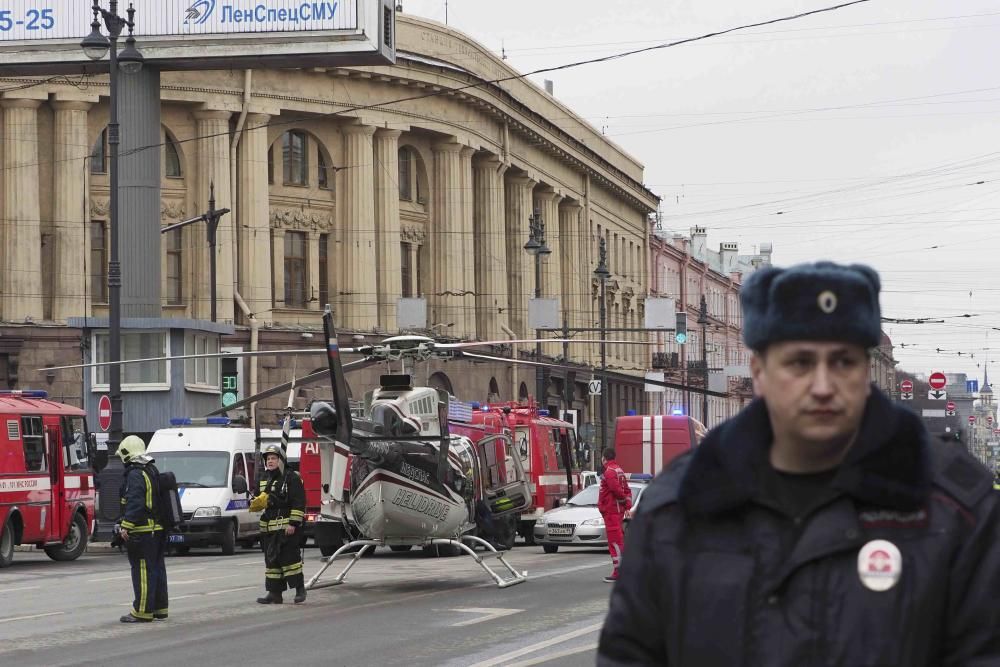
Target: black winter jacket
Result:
[713, 575]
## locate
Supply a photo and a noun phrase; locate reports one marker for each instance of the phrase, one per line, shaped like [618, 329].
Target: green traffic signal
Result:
[681, 329]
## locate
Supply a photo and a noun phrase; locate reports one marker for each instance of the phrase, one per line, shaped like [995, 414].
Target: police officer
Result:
[283, 501]
[139, 528]
[820, 526]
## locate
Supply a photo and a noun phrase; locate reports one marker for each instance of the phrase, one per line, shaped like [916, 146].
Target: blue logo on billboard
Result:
[199, 12]
[972, 386]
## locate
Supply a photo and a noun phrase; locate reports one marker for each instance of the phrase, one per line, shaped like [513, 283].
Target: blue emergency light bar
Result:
[640, 477]
[677, 412]
[543, 413]
[25, 393]
[200, 421]
[296, 424]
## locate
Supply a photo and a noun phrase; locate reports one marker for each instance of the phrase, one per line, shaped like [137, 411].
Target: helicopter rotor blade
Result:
[367, 349]
[460, 346]
[658, 383]
[308, 380]
[338, 383]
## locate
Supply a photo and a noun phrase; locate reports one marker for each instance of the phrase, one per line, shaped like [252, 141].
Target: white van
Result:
[214, 466]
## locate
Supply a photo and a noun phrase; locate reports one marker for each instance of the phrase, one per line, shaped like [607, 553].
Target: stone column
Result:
[213, 167]
[446, 266]
[387, 237]
[574, 267]
[521, 269]
[358, 270]
[22, 243]
[464, 245]
[548, 206]
[69, 209]
[255, 262]
[312, 270]
[492, 303]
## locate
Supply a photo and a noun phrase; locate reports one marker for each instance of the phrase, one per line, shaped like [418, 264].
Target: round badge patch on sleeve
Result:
[880, 565]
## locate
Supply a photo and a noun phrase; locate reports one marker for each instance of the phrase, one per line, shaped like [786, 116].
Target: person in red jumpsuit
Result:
[615, 503]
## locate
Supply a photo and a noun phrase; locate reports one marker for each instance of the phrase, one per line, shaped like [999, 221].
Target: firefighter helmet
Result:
[131, 448]
[276, 450]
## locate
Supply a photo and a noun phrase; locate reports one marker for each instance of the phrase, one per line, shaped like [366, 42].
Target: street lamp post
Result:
[537, 247]
[95, 45]
[703, 321]
[603, 274]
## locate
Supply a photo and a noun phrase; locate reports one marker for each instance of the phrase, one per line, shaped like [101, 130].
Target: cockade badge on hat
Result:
[827, 301]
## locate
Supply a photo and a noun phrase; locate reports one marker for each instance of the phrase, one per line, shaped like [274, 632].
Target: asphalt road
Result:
[394, 609]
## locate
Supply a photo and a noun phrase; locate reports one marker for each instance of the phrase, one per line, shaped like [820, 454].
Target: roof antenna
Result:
[503, 51]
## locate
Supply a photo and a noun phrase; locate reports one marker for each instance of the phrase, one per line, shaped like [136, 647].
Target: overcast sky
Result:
[869, 134]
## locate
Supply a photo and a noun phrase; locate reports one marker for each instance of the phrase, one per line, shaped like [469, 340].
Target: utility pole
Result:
[602, 273]
[211, 218]
[536, 246]
[703, 321]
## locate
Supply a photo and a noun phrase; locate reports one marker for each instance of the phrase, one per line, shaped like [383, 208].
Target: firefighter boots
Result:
[300, 594]
[270, 598]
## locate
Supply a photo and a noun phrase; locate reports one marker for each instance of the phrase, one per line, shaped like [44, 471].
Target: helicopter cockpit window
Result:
[393, 422]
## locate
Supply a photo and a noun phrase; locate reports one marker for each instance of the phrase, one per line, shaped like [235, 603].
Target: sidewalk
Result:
[93, 547]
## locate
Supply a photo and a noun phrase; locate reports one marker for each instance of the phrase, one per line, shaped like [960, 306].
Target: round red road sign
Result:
[937, 380]
[949, 406]
[972, 419]
[906, 385]
[104, 413]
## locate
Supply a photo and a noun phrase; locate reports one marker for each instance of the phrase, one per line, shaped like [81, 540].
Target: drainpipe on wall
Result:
[254, 334]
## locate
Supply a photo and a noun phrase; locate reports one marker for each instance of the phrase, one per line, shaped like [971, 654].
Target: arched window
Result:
[522, 392]
[440, 381]
[295, 157]
[171, 158]
[406, 173]
[99, 154]
[493, 395]
[324, 169]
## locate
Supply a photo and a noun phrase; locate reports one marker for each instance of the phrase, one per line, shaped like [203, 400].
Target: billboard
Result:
[43, 36]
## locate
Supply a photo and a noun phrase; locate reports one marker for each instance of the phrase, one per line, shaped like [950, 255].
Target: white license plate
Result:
[560, 531]
[175, 538]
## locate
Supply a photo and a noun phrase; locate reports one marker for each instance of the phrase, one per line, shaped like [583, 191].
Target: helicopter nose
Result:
[324, 418]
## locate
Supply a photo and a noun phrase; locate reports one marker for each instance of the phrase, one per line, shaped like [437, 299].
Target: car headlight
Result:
[207, 512]
[593, 522]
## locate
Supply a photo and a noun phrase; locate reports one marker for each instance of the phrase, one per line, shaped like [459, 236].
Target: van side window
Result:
[74, 444]
[239, 467]
[558, 439]
[33, 438]
[251, 468]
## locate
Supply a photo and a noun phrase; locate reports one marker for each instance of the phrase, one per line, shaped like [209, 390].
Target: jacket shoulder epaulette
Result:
[666, 487]
[955, 471]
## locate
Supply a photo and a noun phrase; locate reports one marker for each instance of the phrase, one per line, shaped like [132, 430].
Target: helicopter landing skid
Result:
[510, 578]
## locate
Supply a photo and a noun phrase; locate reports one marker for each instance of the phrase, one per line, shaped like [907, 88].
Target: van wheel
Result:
[75, 543]
[550, 548]
[7, 545]
[229, 540]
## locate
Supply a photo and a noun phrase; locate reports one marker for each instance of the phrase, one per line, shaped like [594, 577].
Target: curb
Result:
[93, 547]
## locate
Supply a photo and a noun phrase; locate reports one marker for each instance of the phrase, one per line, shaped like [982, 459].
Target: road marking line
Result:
[553, 656]
[28, 618]
[232, 590]
[559, 639]
[94, 581]
[489, 614]
[14, 590]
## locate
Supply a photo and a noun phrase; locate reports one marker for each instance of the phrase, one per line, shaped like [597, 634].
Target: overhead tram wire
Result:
[481, 83]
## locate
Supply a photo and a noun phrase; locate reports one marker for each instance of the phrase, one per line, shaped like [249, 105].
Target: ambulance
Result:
[47, 491]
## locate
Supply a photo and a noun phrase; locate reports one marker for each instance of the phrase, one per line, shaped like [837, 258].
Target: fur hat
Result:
[822, 301]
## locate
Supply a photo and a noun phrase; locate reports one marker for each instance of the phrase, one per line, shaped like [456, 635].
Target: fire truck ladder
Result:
[503, 579]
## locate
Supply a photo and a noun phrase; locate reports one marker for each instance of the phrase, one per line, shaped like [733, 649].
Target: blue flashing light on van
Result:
[200, 421]
[25, 393]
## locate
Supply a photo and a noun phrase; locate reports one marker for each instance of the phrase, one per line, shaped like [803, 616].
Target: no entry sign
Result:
[937, 380]
[906, 385]
[950, 405]
[104, 413]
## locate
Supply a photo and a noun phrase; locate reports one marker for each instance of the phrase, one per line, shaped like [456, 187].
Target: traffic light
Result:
[681, 330]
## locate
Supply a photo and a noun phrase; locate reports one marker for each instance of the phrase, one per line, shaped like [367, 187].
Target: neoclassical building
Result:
[354, 186]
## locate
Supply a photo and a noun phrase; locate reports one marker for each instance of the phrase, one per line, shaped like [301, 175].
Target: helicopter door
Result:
[505, 486]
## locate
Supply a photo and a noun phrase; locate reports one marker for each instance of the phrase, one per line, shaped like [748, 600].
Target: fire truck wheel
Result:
[229, 541]
[7, 545]
[75, 543]
[550, 548]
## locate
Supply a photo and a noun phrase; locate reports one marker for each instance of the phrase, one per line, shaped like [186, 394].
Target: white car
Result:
[578, 523]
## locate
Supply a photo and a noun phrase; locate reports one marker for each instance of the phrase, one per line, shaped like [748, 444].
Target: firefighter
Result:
[140, 530]
[283, 501]
[614, 501]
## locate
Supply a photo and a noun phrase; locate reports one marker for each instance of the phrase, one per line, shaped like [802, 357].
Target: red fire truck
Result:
[545, 445]
[46, 476]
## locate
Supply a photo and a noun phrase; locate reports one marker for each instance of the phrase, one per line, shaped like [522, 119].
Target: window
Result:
[175, 280]
[98, 262]
[239, 467]
[405, 174]
[324, 267]
[270, 165]
[171, 158]
[201, 374]
[75, 455]
[295, 269]
[405, 270]
[295, 155]
[99, 154]
[324, 169]
[136, 345]
[33, 438]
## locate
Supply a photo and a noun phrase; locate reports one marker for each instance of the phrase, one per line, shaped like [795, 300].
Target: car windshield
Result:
[198, 469]
[588, 497]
